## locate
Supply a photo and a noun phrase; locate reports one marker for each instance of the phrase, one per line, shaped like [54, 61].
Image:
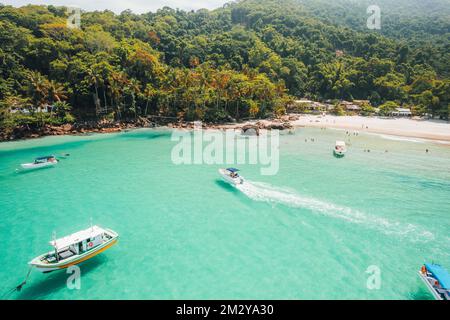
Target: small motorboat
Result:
[75, 248]
[231, 176]
[340, 149]
[437, 280]
[40, 162]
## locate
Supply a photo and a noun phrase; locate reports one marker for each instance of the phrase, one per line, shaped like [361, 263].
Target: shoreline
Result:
[431, 130]
[436, 131]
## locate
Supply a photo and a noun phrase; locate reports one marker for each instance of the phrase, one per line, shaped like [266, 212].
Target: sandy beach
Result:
[436, 130]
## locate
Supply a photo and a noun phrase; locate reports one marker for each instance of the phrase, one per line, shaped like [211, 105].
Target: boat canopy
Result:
[77, 237]
[340, 143]
[440, 274]
[233, 170]
[45, 158]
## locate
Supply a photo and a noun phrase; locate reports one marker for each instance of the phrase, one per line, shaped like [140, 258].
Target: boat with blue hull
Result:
[437, 280]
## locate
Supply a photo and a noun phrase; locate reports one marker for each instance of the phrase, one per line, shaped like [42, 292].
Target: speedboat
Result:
[437, 280]
[340, 149]
[75, 248]
[231, 176]
[40, 162]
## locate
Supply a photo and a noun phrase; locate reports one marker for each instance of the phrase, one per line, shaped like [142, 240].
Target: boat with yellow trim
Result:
[75, 248]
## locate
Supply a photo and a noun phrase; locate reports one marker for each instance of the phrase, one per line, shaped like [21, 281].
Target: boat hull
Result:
[46, 267]
[433, 291]
[33, 166]
[338, 154]
[228, 179]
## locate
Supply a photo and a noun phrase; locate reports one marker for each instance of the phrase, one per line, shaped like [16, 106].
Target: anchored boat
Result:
[231, 176]
[75, 248]
[40, 162]
[340, 149]
[437, 280]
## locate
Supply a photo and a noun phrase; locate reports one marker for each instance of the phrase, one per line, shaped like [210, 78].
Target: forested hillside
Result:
[247, 59]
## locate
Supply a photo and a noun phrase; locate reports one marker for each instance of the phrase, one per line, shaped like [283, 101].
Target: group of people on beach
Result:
[354, 133]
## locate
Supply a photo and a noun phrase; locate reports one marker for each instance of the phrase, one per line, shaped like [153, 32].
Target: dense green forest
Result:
[247, 59]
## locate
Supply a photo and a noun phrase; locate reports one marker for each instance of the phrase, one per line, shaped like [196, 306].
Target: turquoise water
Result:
[309, 232]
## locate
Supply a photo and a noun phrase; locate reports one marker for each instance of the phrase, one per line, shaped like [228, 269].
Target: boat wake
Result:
[267, 193]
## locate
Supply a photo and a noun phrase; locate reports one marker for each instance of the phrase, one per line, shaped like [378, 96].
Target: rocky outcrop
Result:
[106, 126]
[250, 129]
[277, 124]
[102, 126]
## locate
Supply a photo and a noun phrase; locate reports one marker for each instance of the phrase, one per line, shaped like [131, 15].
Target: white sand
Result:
[424, 129]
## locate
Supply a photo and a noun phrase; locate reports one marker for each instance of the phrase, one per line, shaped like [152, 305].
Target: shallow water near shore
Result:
[309, 232]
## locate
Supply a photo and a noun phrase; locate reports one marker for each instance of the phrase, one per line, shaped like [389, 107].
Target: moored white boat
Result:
[231, 176]
[437, 280]
[75, 248]
[40, 162]
[340, 149]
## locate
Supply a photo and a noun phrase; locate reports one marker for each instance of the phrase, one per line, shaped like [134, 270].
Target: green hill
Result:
[247, 59]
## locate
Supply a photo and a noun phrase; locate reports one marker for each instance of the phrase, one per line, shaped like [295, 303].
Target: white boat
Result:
[437, 280]
[75, 248]
[340, 149]
[40, 162]
[231, 176]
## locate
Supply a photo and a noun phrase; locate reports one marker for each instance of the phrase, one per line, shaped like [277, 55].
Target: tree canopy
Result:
[247, 59]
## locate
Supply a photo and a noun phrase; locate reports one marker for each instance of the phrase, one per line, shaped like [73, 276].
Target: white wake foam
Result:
[398, 138]
[267, 193]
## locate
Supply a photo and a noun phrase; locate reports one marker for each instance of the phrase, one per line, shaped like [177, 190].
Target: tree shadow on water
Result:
[56, 281]
[146, 135]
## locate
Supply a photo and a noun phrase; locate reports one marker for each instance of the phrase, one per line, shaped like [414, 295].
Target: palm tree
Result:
[38, 87]
[148, 93]
[135, 89]
[56, 93]
[94, 78]
[61, 108]
[118, 82]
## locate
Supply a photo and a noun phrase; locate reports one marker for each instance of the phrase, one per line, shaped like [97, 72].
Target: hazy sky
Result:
[137, 6]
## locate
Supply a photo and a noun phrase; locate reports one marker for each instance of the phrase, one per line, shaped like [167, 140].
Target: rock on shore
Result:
[105, 126]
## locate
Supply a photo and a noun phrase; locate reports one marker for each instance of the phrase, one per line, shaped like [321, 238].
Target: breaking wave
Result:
[267, 193]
